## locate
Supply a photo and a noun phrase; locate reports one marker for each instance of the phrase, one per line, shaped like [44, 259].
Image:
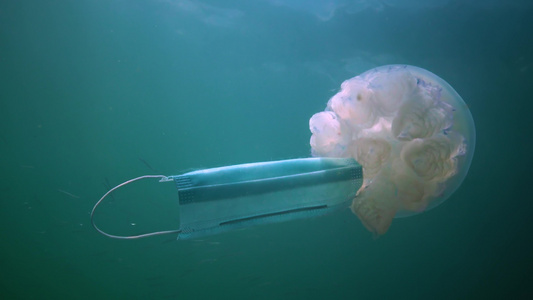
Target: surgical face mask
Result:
[221, 199]
[395, 141]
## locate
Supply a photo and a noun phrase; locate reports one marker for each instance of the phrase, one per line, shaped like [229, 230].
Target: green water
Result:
[93, 93]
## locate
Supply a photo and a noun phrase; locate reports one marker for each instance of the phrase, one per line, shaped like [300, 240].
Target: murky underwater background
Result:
[93, 93]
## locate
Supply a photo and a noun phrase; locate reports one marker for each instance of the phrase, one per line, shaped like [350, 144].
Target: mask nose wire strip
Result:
[163, 178]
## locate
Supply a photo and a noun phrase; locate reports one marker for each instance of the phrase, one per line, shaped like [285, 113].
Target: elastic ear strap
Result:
[164, 178]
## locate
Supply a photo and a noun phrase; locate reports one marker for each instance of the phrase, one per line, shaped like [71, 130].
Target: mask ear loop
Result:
[163, 179]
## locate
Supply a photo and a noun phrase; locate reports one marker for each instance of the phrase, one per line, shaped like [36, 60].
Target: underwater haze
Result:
[93, 93]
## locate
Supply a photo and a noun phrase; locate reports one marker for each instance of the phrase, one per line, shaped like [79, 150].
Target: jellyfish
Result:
[409, 129]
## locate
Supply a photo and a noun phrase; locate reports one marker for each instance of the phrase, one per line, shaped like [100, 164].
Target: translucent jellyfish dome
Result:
[409, 129]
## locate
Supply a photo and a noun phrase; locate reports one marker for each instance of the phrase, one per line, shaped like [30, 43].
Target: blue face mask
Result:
[221, 199]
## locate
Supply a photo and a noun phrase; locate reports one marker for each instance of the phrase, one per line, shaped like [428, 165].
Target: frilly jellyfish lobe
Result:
[409, 129]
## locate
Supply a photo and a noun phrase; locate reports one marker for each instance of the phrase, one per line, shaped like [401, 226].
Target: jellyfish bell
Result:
[409, 129]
